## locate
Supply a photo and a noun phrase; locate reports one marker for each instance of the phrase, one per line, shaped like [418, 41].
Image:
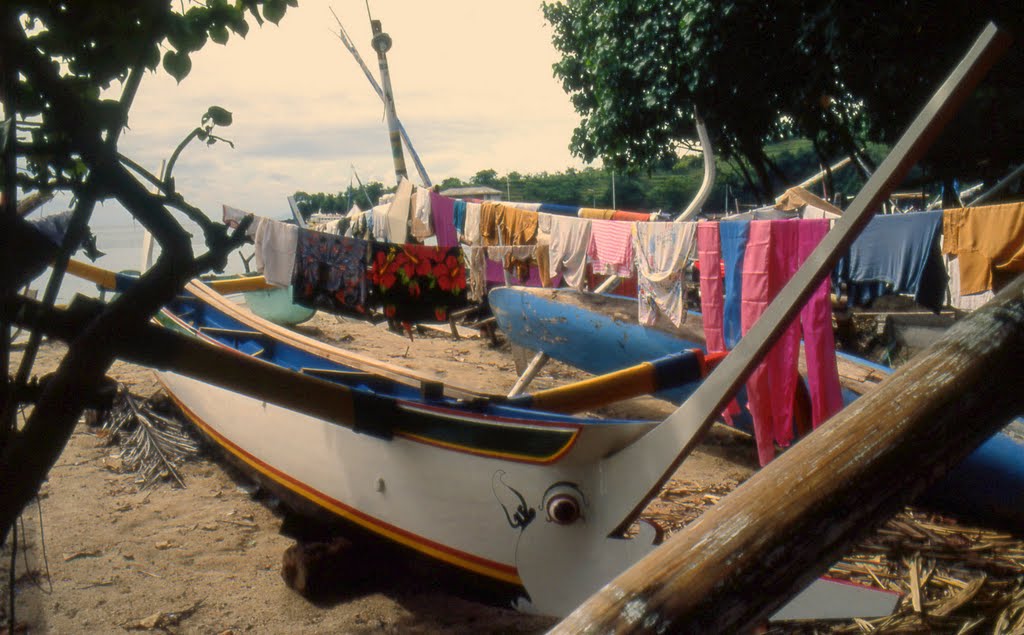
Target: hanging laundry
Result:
[379, 224]
[544, 226]
[275, 251]
[459, 216]
[529, 207]
[471, 235]
[709, 258]
[526, 263]
[442, 210]
[764, 213]
[338, 226]
[422, 216]
[989, 243]
[816, 329]
[399, 212]
[504, 225]
[476, 272]
[330, 273]
[734, 242]
[570, 239]
[958, 300]
[662, 251]
[769, 260]
[774, 252]
[596, 214]
[635, 217]
[896, 253]
[496, 273]
[561, 210]
[359, 224]
[611, 248]
[417, 282]
[232, 216]
[489, 224]
[520, 226]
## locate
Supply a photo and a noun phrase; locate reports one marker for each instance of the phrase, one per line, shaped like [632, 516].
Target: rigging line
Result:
[42, 547]
[11, 577]
[42, 534]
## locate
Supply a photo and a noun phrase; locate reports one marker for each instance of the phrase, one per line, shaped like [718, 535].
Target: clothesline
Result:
[897, 253]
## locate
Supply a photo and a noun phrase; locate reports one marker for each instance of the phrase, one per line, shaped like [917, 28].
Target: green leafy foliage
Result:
[177, 65]
[836, 73]
[217, 116]
[365, 197]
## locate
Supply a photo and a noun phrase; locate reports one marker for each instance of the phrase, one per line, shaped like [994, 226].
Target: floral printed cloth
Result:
[417, 282]
[331, 273]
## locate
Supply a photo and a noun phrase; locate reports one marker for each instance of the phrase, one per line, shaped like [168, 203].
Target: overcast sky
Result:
[472, 80]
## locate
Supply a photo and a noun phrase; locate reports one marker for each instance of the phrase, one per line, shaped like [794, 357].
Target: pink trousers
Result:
[775, 251]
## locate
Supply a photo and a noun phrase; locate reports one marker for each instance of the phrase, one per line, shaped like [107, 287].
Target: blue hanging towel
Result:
[459, 216]
[561, 210]
[734, 237]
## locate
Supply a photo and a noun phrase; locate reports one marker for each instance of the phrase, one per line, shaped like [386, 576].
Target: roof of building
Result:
[476, 190]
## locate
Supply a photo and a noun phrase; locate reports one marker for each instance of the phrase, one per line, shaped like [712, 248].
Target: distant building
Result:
[480, 192]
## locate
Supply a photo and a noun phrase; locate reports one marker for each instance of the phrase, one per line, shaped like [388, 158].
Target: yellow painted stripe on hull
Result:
[598, 391]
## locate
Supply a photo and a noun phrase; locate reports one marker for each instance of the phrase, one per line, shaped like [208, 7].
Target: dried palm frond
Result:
[153, 445]
[953, 578]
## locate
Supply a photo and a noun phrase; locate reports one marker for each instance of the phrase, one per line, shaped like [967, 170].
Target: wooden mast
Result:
[381, 43]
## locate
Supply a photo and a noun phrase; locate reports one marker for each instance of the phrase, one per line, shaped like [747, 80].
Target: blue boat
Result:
[599, 334]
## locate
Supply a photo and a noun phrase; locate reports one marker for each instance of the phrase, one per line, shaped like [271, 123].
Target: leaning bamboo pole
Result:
[745, 557]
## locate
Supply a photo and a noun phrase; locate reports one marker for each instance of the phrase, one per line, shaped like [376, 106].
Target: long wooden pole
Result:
[381, 44]
[347, 42]
[771, 537]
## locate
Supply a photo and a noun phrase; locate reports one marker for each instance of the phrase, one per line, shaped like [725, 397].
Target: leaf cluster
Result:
[837, 73]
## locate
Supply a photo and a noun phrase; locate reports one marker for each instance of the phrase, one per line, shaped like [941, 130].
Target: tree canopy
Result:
[837, 73]
[669, 188]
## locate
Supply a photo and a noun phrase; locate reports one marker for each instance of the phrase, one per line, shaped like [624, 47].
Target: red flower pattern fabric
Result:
[416, 282]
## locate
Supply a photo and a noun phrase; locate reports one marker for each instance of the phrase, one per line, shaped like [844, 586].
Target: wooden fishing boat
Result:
[275, 304]
[988, 487]
[457, 479]
[476, 481]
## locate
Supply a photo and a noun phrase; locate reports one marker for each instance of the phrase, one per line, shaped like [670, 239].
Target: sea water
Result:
[121, 242]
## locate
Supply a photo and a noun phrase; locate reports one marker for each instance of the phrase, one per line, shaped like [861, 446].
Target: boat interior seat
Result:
[250, 348]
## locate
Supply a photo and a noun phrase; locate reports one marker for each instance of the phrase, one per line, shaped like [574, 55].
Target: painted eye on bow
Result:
[562, 504]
